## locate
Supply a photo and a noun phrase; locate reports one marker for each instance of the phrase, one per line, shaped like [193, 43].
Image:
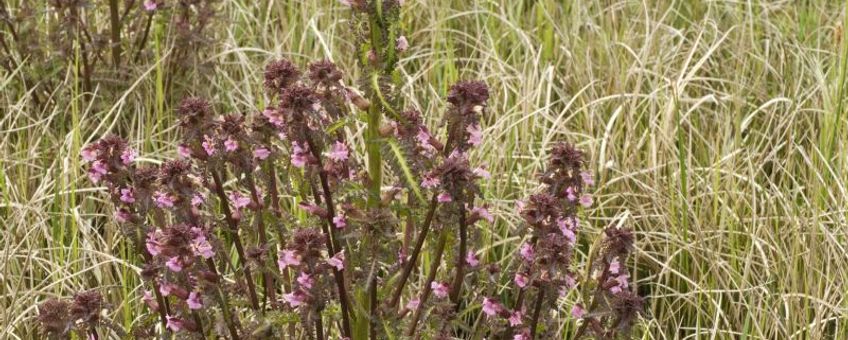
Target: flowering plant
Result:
[275, 224]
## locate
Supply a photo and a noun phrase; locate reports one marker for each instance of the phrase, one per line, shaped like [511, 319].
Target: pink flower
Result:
[577, 311]
[174, 264]
[150, 5]
[586, 200]
[231, 144]
[163, 200]
[521, 336]
[197, 199]
[261, 153]
[194, 301]
[424, 143]
[165, 289]
[238, 200]
[570, 282]
[347, 3]
[128, 156]
[201, 247]
[288, 258]
[430, 182]
[491, 307]
[471, 259]
[299, 156]
[444, 197]
[208, 145]
[294, 299]
[372, 56]
[153, 243]
[150, 301]
[127, 195]
[614, 266]
[339, 220]
[571, 194]
[97, 171]
[475, 134]
[622, 280]
[482, 173]
[174, 323]
[587, 178]
[440, 290]
[515, 318]
[521, 280]
[519, 206]
[184, 151]
[122, 215]
[402, 44]
[305, 280]
[338, 152]
[88, 154]
[337, 261]
[483, 213]
[413, 304]
[527, 252]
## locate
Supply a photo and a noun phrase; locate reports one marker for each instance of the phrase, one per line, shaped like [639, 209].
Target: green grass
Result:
[717, 131]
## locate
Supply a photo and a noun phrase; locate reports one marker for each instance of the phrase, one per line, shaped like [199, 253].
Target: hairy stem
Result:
[413, 257]
[268, 280]
[225, 207]
[333, 244]
[425, 291]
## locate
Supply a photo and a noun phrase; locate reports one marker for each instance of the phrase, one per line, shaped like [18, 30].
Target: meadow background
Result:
[716, 129]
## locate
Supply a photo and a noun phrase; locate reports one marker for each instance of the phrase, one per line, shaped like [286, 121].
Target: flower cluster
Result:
[81, 315]
[267, 223]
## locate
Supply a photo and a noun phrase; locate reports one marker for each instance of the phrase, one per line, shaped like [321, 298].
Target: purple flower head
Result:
[208, 145]
[175, 324]
[261, 153]
[288, 258]
[430, 182]
[163, 200]
[174, 264]
[471, 259]
[325, 73]
[127, 195]
[444, 198]
[521, 280]
[516, 318]
[238, 200]
[279, 75]
[305, 280]
[295, 299]
[339, 220]
[413, 304]
[577, 311]
[128, 156]
[475, 134]
[586, 200]
[527, 252]
[231, 145]
[194, 301]
[150, 5]
[337, 261]
[402, 44]
[184, 151]
[440, 290]
[466, 93]
[300, 155]
[491, 307]
[201, 247]
[338, 152]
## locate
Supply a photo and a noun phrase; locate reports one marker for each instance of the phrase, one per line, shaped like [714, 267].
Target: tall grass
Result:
[717, 130]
